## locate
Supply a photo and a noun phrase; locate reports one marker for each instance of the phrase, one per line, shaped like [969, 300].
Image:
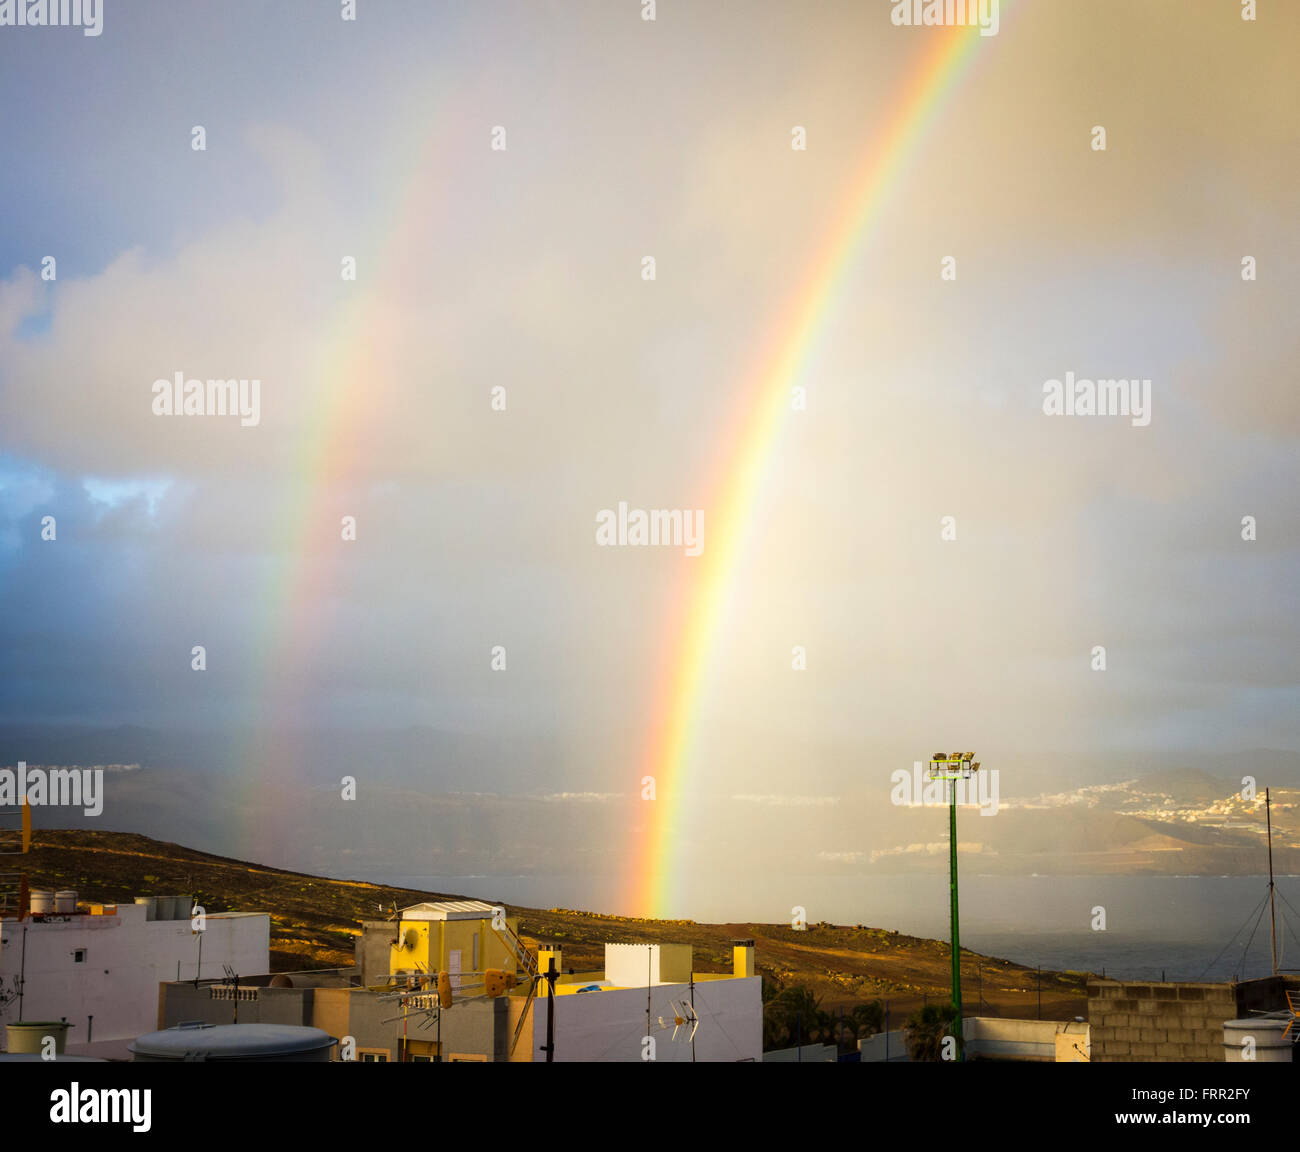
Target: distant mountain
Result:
[1187, 785]
[425, 805]
[1270, 767]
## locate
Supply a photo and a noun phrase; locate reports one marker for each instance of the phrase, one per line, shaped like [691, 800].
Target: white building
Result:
[108, 966]
[643, 992]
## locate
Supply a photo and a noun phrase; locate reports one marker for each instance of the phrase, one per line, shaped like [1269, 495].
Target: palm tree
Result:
[777, 1027]
[927, 1030]
[793, 1016]
[801, 999]
[867, 1019]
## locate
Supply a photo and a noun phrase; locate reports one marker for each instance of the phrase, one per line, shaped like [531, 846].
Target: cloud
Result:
[789, 801]
[522, 270]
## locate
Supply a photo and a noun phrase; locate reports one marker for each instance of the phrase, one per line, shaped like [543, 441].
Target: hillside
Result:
[314, 921]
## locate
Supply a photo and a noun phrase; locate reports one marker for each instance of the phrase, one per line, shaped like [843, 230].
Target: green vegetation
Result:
[793, 1016]
[927, 1031]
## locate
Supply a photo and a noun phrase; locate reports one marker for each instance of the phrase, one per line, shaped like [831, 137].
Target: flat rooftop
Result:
[450, 910]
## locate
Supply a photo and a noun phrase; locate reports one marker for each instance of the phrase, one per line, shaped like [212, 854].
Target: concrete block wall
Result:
[1154, 1021]
[210, 1004]
[372, 950]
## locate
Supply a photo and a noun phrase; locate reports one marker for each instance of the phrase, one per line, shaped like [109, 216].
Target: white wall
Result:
[808, 1054]
[635, 965]
[610, 1025]
[884, 1045]
[992, 1036]
[127, 958]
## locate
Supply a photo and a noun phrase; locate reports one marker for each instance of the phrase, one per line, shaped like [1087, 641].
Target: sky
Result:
[523, 268]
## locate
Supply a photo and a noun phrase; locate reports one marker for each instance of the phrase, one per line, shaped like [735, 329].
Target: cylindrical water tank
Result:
[278, 1042]
[150, 906]
[1256, 1041]
[41, 900]
[29, 1035]
[66, 900]
[166, 908]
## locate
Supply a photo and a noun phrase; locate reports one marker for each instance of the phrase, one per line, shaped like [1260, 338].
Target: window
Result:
[372, 1056]
[423, 1051]
[79, 956]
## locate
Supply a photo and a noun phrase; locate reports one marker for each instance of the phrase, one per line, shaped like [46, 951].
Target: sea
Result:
[1125, 927]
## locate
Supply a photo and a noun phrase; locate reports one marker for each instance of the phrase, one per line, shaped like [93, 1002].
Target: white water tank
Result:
[41, 900]
[1261, 1036]
[65, 901]
[150, 906]
[196, 1041]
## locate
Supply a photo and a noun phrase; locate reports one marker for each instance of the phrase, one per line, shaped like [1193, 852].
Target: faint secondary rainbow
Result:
[333, 450]
[741, 468]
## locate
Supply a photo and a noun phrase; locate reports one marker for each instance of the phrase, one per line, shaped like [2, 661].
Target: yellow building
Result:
[452, 936]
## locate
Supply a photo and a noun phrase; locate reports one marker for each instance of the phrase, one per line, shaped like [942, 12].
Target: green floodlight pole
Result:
[952, 902]
[949, 767]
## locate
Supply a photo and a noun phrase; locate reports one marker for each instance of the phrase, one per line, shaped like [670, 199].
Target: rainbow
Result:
[657, 880]
[354, 374]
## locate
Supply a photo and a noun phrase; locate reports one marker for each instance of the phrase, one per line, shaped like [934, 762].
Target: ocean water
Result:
[1184, 927]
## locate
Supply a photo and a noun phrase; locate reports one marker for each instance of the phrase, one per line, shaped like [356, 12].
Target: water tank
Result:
[65, 901]
[166, 909]
[41, 900]
[1269, 1046]
[277, 1042]
[150, 906]
[29, 1035]
[183, 906]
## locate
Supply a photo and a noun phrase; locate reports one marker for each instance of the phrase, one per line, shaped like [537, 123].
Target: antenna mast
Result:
[649, 958]
[1272, 911]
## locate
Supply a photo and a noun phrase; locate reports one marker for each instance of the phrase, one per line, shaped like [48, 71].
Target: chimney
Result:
[544, 954]
[742, 958]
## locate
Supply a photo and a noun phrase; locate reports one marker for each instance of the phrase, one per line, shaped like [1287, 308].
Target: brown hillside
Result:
[314, 922]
